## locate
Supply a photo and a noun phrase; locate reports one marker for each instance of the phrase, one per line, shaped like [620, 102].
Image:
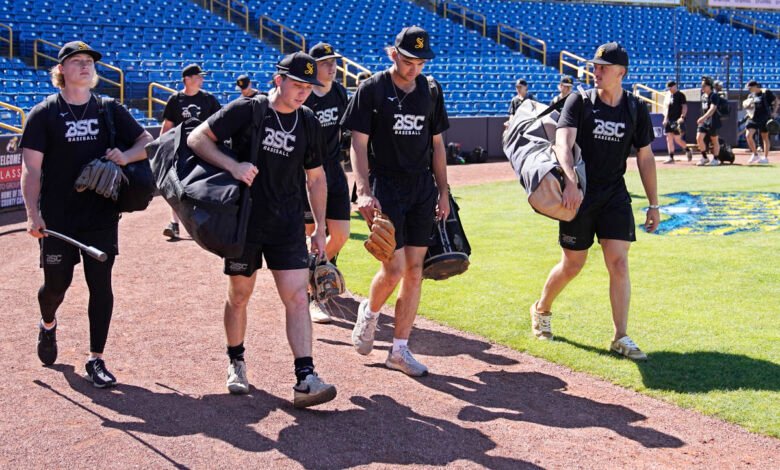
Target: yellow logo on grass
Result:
[309, 69]
[419, 44]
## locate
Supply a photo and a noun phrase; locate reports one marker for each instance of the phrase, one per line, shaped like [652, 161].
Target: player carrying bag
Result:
[212, 205]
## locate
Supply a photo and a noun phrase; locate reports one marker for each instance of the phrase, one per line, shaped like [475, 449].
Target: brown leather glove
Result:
[381, 240]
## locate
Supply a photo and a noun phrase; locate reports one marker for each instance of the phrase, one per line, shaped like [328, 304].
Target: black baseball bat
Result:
[90, 250]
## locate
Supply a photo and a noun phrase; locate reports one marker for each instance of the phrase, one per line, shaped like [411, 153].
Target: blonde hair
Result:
[58, 79]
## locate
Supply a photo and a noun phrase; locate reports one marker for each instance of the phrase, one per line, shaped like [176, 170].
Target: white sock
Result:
[368, 311]
[48, 329]
[397, 343]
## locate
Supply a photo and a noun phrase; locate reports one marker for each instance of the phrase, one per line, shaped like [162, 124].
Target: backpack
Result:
[726, 154]
[213, 206]
[137, 192]
[723, 107]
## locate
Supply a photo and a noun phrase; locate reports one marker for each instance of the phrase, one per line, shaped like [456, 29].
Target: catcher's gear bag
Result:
[212, 205]
[449, 254]
[325, 280]
[102, 176]
[381, 240]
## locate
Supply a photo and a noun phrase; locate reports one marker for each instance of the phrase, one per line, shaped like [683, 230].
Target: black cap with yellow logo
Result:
[323, 51]
[299, 66]
[414, 42]
[611, 53]
[78, 47]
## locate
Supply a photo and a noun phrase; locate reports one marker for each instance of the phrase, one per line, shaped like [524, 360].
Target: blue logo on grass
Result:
[711, 213]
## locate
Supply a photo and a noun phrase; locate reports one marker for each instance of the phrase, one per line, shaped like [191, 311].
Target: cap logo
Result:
[419, 43]
[328, 49]
[309, 69]
[600, 51]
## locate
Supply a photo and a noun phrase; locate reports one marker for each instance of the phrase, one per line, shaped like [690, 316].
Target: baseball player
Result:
[709, 123]
[192, 101]
[59, 138]
[401, 113]
[244, 85]
[290, 146]
[329, 102]
[605, 131]
[674, 121]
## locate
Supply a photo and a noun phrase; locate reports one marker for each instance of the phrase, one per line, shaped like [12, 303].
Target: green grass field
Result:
[706, 308]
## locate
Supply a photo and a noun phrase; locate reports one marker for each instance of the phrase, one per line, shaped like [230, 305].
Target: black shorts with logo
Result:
[708, 130]
[410, 203]
[338, 206]
[278, 257]
[757, 125]
[58, 254]
[606, 214]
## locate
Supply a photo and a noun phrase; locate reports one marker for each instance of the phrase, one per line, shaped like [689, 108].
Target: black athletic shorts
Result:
[757, 125]
[676, 129]
[338, 205]
[278, 257]
[606, 214]
[410, 203]
[56, 253]
[709, 131]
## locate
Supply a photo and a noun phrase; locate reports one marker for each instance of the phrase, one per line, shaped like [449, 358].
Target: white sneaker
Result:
[404, 361]
[541, 324]
[625, 346]
[703, 162]
[319, 312]
[237, 383]
[364, 330]
[763, 161]
[714, 162]
[753, 159]
[312, 391]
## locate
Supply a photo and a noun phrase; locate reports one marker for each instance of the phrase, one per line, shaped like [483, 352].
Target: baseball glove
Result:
[325, 280]
[381, 240]
[103, 176]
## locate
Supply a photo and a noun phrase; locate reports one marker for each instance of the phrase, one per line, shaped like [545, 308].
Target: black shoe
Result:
[689, 154]
[98, 374]
[47, 345]
[172, 230]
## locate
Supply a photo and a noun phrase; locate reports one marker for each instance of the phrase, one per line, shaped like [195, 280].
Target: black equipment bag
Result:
[726, 154]
[213, 206]
[138, 191]
[478, 155]
[449, 254]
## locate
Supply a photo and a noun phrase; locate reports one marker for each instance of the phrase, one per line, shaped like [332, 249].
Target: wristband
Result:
[654, 206]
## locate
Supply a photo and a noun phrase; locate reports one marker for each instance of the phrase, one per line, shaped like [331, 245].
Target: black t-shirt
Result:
[713, 99]
[68, 143]
[675, 102]
[761, 111]
[400, 139]
[285, 151]
[329, 110]
[603, 137]
[181, 107]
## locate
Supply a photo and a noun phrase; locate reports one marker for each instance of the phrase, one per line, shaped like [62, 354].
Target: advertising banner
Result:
[10, 173]
[752, 4]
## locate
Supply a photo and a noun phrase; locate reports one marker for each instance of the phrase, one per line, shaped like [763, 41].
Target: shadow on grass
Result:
[700, 371]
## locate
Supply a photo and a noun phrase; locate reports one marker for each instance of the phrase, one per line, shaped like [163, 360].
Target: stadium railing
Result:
[152, 99]
[9, 40]
[521, 40]
[15, 109]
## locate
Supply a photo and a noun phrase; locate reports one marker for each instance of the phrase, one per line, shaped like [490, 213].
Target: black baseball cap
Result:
[521, 81]
[752, 83]
[192, 69]
[243, 82]
[299, 66]
[611, 53]
[414, 42]
[323, 51]
[567, 81]
[707, 80]
[670, 83]
[78, 47]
